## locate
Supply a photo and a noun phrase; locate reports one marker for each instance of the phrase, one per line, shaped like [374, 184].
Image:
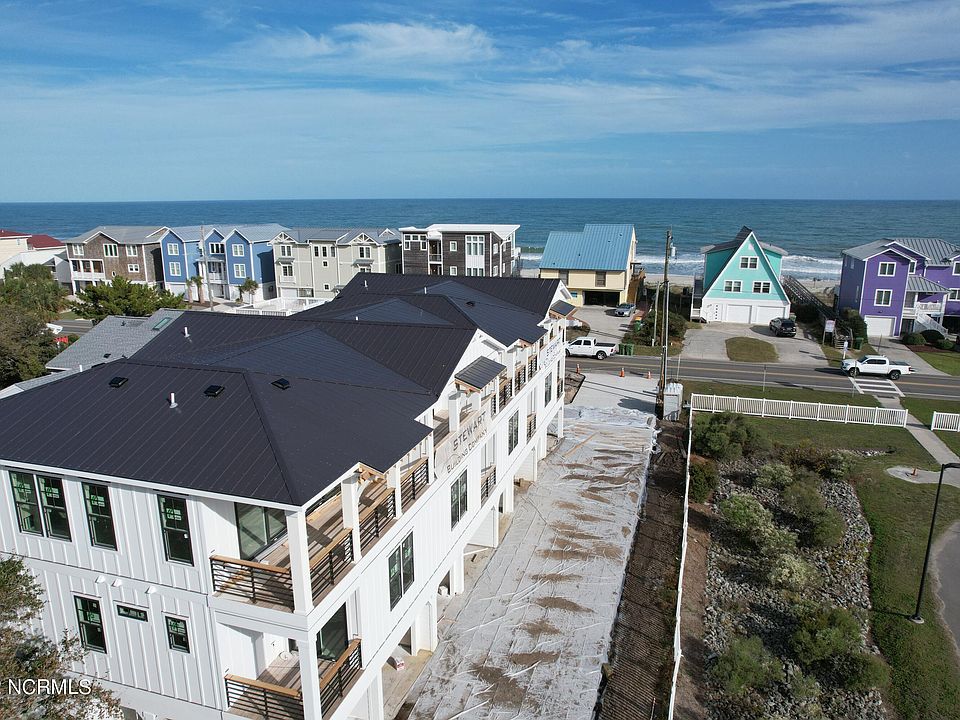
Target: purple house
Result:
[903, 285]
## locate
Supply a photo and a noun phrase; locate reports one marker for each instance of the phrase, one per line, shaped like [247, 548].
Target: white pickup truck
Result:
[875, 365]
[591, 347]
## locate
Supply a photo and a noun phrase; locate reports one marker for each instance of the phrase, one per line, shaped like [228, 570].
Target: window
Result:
[954, 294]
[177, 637]
[748, 262]
[912, 268]
[332, 640]
[601, 279]
[257, 528]
[304, 292]
[175, 526]
[323, 251]
[111, 250]
[453, 246]
[132, 251]
[237, 250]
[316, 251]
[286, 271]
[133, 613]
[548, 389]
[400, 570]
[496, 271]
[133, 268]
[326, 286]
[91, 624]
[54, 507]
[77, 251]
[513, 432]
[882, 297]
[496, 248]
[96, 499]
[364, 270]
[731, 285]
[174, 268]
[564, 276]
[76, 265]
[474, 244]
[25, 501]
[453, 269]
[458, 499]
[239, 270]
[333, 251]
[286, 251]
[216, 248]
[887, 269]
[364, 252]
[761, 286]
[173, 249]
[956, 264]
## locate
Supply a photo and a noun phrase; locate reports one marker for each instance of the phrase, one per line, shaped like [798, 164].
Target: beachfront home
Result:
[108, 251]
[319, 262]
[237, 528]
[740, 282]
[223, 256]
[474, 250]
[902, 285]
[594, 264]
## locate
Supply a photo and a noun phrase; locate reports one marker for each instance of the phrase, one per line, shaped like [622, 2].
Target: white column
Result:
[453, 408]
[431, 621]
[350, 506]
[494, 527]
[299, 561]
[393, 481]
[373, 698]
[560, 421]
[309, 678]
[508, 497]
[474, 398]
[456, 575]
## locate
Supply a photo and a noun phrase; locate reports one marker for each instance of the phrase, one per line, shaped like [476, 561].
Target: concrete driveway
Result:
[603, 323]
[895, 350]
[709, 343]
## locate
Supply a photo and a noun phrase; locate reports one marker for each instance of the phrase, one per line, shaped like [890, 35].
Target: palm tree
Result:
[198, 281]
[249, 286]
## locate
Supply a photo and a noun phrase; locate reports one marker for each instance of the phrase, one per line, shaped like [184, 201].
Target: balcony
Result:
[413, 482]
[488, 481]
[531, 425]
[929, 308]
[521, 377]
[434, 257]
[506, 392]
[532, 365]
[276, 694]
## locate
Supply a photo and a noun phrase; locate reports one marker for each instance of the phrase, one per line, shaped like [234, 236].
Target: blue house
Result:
[224, 256]
[740, 282]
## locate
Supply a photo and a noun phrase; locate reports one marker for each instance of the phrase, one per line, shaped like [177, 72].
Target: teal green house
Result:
[740, 282]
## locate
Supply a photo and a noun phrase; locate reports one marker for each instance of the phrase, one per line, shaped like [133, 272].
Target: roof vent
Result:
[106, 355]
[470, 303]
[173, 401]
[213, 390]
[281, 383]
[117, 381]
[186, 332]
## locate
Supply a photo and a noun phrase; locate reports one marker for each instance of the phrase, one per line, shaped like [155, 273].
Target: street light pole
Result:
[926, 559]
[661, 391]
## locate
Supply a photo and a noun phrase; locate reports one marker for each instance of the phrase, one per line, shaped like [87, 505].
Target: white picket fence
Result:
[677, 653]
[945, 421]
[796, 410]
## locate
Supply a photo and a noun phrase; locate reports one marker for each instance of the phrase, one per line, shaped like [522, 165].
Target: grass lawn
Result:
[777, 393]
[922, 409]
[948, 362]
[656, 350]
[69, 315]
[746, 349]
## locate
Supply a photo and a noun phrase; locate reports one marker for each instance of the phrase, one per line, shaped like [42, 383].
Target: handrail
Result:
[260, 685]
[344, 656]
[325, 550]
[373, 508]
[413, 468]
[250, 564]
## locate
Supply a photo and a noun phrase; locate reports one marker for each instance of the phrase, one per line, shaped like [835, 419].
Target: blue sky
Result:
[138, 100]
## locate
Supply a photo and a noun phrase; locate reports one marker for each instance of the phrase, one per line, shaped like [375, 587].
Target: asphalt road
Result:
[819, 378]
[74, 327]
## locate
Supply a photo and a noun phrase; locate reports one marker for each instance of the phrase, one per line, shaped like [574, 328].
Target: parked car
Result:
[625, 309]
[875, 365]
[783, 327]
[591, 347]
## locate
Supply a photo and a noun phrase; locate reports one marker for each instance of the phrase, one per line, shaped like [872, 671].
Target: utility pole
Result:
[663, 326]
[206, 267]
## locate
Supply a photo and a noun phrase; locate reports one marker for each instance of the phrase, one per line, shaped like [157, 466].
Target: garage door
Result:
[765, 313]
[738, 314]
[878, 325]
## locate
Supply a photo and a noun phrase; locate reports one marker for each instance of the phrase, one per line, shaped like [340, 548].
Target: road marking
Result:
[876, 386]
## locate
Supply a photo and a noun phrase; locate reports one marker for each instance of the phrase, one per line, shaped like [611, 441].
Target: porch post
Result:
[299, 561]
[309, 678]
[350, 507]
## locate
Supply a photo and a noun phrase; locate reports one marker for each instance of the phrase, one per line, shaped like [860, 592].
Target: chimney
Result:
[173, 401]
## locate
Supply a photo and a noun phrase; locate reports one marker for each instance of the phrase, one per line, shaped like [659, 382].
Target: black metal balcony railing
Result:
[253, 581]
[532, 366]
[335, 681]
[374, 520]
[531, 425]
[331, 563]
[414, 482]
[521, 377]
[506, 392]
[493, 406]
[488, 481]
[253, 697]
[560, 389]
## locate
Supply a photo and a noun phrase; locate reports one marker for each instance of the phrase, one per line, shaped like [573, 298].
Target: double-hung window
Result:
[748, 262]
[882, 298]
[732, 285]
[173, 249]
[110, 250]
[761, 286]
[453, 246]
[77, 251]
[133, 268]
[364, 252]
[216, 248]
[954, 294]
[237, 250]
[177, 638]
[96, 499]
[286, 251]
[239, 270]
[887, 269]
[458, 499]
[40, 504]
[286, 271]
[175, 268]
[132, 251]
[90, 622]
[513, 432]
[175, 526]
[912, 267]
[601, 278]
[400, 570]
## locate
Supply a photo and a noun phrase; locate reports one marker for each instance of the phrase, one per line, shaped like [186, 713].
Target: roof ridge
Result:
[271, 439]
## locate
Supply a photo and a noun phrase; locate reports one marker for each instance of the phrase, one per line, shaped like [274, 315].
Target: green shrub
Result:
[825, 634]
[774, 475]
[792, 573]
[865, 671]
[826, 529]
[806, 313]
[833, 464]
[803, 688]
[703, 480]
[803, 500]
[945, 344]
[914, 339]
[932, 336]
[850, 322]
[773, 542]
[726, 436]
[746, 665]
[746, 515]
[642, 331]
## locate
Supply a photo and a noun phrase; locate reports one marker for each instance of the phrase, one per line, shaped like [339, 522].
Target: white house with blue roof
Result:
[740, 282]
[593, 264]
[224, 256]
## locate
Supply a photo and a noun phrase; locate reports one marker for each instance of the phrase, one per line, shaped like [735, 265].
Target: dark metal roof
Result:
[480, 372]
[561, 307]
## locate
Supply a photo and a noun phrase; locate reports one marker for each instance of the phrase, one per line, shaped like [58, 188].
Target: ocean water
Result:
[812, 231]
